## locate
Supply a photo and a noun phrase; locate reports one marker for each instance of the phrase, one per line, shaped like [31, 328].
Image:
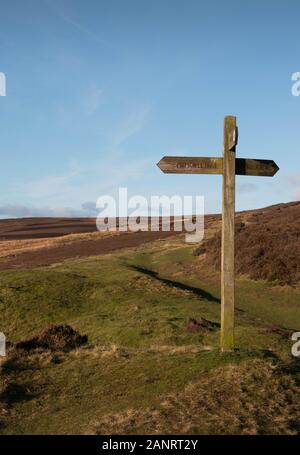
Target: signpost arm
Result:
[227, 254]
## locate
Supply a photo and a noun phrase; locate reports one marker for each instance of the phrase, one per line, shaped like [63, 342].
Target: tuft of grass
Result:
[252, 398]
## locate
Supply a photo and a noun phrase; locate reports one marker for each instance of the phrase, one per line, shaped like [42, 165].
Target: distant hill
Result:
[35, 228]
[267, 242]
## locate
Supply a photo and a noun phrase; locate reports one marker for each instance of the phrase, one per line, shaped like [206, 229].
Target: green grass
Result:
[134, 307]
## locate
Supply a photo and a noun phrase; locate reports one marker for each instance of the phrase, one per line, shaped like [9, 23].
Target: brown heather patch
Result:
[10, 248]
[267, 244]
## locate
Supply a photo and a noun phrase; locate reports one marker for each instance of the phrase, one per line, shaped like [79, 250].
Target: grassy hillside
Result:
[142, 370]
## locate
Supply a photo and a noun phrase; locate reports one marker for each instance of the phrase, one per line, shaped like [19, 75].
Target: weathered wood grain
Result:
[214, 165]
[227, 251]
[190, 165]
[260, 168]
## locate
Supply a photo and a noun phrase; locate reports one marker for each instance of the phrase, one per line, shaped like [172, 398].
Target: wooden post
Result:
[227, 255]
[229, 166]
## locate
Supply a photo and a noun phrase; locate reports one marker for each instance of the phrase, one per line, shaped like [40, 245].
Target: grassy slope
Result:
[142, 368]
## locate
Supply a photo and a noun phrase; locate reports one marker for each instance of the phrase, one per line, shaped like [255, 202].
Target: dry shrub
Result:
[60, 337]
[267, 245]
[255, 397]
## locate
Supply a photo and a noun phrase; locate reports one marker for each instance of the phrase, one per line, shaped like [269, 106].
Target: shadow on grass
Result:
[176, 284]
[12, 389]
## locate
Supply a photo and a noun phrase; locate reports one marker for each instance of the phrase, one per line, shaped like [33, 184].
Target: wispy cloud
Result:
[294, 181]
[246, 187]
[86, 104]
[92, 99]
[52, 185]
[131, 125]
[24, 211]
[65, 16]
[82, 181]
[89, 206]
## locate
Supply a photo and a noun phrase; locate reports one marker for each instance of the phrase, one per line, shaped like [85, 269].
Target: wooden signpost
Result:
[229, 166]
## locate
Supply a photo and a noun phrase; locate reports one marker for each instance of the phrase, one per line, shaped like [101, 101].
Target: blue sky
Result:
[97, 92]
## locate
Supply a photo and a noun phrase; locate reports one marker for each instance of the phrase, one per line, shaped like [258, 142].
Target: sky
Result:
[98, 91]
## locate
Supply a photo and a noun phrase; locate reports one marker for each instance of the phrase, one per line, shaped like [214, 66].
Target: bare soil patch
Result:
[59, 337]
[200, 325]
